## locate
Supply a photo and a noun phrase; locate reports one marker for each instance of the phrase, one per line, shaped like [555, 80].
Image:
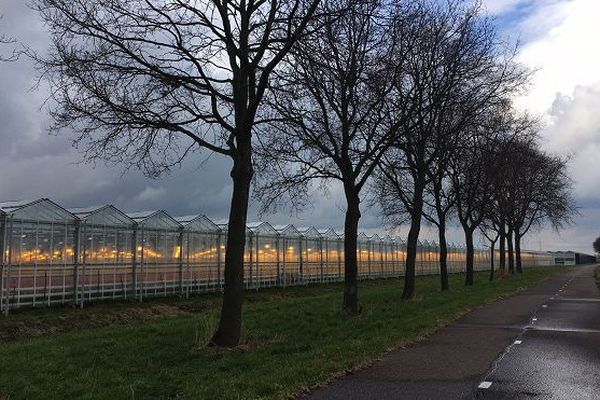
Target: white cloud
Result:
[565, 50]
[499, 7]
[561, 43]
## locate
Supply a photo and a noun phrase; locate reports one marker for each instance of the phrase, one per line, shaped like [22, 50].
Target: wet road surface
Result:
[542, 343]
[557, 356]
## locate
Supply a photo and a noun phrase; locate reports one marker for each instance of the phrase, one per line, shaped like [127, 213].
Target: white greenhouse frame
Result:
[53, 255]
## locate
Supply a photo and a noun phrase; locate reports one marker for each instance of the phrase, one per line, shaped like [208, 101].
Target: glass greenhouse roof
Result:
[198, 223]
[288, 230]
[255, 227]
[42, 210]
[262, 227]
[157, 219]
[309, 232]
[328, 233]
[103, 215]
[363, 237]
[46, 211]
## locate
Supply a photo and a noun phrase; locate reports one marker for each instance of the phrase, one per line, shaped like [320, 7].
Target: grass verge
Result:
[294, 339]
[597, 275]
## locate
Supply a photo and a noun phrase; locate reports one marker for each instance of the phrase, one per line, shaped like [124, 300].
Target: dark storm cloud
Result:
[35, 164]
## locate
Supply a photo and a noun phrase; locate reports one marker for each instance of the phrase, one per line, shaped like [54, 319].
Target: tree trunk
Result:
[502, 250]
[443, 255]
[350, 248]
[518, 253]
[411, 243]
[230, 324]
[511, 253]
[492, 254]
[470, 257]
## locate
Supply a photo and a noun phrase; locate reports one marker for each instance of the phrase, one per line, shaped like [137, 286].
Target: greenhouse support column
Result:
[142, 264]
[9, 247]
[339, 258]
[187, 263]
[285, 250]
[76, 252]
[250, 248]
[301, 262]
[370, 251]
[180, 260]
[381, 258]
[327, 263]
[134, 246]
[277, 247]
[219, 253]
[321, 257]
[394, 255]
[2, 260]
[258, 261]
[83, 266]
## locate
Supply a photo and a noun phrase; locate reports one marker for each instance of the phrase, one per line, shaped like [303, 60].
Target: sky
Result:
[558, 38]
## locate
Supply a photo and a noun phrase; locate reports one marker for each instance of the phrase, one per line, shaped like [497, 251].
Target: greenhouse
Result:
[55, 255]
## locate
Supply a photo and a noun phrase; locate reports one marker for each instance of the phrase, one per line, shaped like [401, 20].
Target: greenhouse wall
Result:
[52, 255]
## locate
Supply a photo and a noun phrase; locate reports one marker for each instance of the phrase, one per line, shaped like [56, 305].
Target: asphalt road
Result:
[543, 343]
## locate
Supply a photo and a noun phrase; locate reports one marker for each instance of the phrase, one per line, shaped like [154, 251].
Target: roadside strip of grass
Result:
[597, 275]
[294, 339]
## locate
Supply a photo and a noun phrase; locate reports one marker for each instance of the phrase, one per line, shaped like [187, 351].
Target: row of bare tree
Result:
[405, 102]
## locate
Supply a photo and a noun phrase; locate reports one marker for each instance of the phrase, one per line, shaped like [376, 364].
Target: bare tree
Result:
[147, 82]
[439, 204]
[457, 68]
[491, 233]
[517, 131]
[472, 173]
[542, 193]
[327, 112]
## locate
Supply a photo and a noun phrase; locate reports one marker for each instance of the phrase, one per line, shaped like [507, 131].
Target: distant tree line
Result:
[404, 103]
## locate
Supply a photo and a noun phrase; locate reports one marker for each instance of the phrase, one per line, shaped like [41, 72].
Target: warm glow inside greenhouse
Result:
[52, 254]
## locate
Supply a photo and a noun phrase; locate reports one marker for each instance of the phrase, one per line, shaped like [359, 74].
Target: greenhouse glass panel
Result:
[266, 260]
[388, 265]
[311, 255]
[38, 254]
[376, 264]
[203, 261]
[363, 253]
[107, 253]
[203, 254]
[41, 259]
[160, 254]
[291, 270]
[400, 255]
[330, 244]
[333, 262]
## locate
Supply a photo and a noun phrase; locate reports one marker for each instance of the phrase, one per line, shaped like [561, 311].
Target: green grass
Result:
[294, 339]
[597, 274]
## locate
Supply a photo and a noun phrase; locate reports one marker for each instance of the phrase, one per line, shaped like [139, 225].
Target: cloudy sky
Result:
[558, 38]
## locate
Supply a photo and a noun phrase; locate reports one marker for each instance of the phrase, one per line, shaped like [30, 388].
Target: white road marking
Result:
[544, 306]
[534, 319]
[518, 341]
[485, 385]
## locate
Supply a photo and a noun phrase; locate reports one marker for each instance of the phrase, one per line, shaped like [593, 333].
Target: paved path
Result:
[542, 343]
